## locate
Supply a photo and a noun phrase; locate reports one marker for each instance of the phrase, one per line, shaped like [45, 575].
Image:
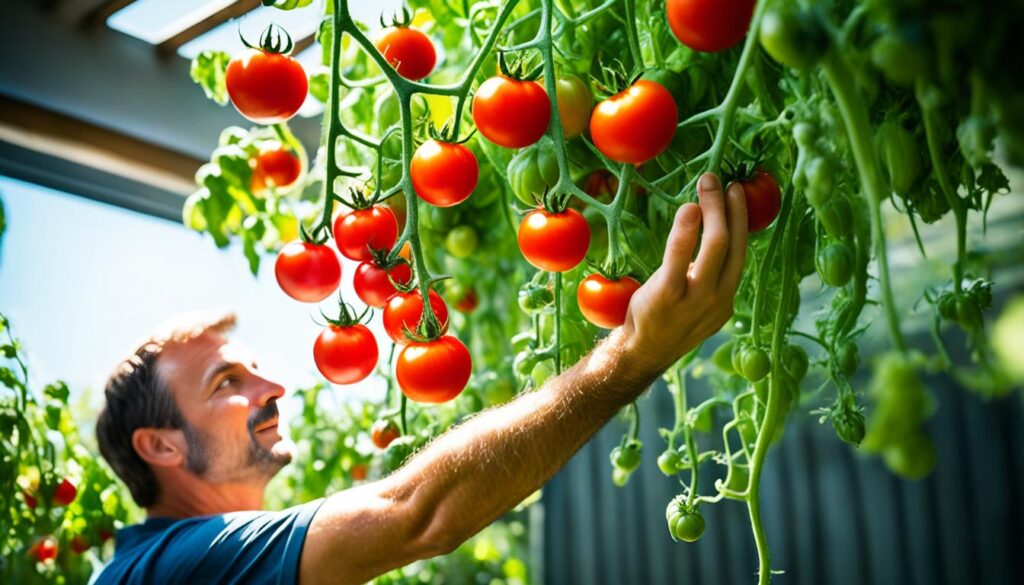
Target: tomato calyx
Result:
[517, 70]
[347, 316]
[447, 133]
[744, 171]
[398, 20]
[387, 261]
[274, 40]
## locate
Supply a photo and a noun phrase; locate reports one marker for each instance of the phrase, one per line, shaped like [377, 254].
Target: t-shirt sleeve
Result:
[242, 547]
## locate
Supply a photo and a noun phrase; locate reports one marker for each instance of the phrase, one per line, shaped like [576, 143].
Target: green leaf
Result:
[208, 70]
[324, 34]
[9, 379]
[320, 86]
[249, 239]
[992, 179]
[57, 391]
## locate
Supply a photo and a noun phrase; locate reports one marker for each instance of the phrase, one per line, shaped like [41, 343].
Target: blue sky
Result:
[82, 281]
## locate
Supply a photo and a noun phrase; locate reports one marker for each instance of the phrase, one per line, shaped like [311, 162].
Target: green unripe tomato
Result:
[683, 523]
[722, 358]
[755, 364]
[912, 458]
[542, 372]
[947, 306]
[574, 104]
[805, 134]
[533, 170]
[968, 313]
[900, 155]
[462, 241]
[792, 37]
[620, 476]
[835, 264]
[849, 425]
[795, 361]
[669, 462]
[900, 60]
[626, 458]
[821, 174]
[834, 215]
[848, 358]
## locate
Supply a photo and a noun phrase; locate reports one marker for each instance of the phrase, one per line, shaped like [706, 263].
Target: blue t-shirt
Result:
[241, 547]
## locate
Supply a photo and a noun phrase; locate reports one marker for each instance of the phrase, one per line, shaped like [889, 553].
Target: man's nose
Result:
[267, 390]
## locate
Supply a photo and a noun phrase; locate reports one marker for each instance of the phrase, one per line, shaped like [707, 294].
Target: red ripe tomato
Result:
[383, 432]
[709, 25]
[45, 549]
[404, 311]
[345, 354]
[65, 493]
[635, 125]
[79, 544]
[265, 87]
[372, 284]
[511, 113]
[30, 500]
[358, 472]
[603, 301]
[763, 200]
[443, 173]
[408, 50]
[433, 371]
[359, 230]
[307, 272]
[468, 302]
[555, 242]
[277, 168]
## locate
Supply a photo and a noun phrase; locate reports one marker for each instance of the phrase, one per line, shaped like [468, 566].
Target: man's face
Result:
[230, 411]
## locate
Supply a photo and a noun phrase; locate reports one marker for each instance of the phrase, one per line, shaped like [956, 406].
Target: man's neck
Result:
[203, 499]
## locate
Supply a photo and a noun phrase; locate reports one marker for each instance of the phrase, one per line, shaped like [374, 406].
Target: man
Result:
[191, 426]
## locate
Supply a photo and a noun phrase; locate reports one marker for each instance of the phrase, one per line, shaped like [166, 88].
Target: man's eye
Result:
[227, 382]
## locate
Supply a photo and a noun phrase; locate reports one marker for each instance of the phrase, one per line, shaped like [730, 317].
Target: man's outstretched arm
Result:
[475, 472]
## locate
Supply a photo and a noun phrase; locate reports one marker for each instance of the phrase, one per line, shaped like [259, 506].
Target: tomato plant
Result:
[881, 113]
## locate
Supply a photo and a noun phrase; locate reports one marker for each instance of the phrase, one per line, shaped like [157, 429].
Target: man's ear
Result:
[160, 447]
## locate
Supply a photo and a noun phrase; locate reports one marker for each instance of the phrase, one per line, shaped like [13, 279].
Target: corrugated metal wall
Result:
[832, 516]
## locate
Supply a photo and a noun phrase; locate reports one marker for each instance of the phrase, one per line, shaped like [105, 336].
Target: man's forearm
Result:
[478, 470]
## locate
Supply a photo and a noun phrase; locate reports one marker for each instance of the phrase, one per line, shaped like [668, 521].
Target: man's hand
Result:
[684, 302]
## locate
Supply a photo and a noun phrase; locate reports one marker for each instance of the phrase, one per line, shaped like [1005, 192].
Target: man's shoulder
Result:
[251, 547]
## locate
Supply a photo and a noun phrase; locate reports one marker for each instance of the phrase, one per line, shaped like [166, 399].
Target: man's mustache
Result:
[264, 414]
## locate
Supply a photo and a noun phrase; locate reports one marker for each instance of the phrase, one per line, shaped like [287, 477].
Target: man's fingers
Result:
[736, 210]
[715, 242]
[682, 240]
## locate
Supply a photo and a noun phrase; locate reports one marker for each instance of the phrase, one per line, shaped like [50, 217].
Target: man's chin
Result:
[283, 451]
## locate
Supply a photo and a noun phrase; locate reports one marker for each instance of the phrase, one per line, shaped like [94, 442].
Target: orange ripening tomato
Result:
[603, 301]
[443, 173]
[408, 50]
[554, 242]
[635, 125]
[433, 371]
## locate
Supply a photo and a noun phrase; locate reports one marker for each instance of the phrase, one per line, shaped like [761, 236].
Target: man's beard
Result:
[259, 462]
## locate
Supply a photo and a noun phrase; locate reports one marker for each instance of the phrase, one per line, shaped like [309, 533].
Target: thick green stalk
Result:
[853, 109]
[773, 412]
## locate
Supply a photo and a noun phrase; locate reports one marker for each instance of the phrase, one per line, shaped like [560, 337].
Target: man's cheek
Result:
[236, 408]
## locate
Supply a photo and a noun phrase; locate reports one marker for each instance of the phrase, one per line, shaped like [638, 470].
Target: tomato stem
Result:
[558, 323]
[853, 110]
[629, 7]
[766, 266]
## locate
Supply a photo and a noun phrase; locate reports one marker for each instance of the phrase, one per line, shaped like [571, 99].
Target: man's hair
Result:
[136, 397]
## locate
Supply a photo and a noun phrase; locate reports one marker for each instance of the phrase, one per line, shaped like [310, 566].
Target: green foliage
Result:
[208, 70]
[40, 448]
